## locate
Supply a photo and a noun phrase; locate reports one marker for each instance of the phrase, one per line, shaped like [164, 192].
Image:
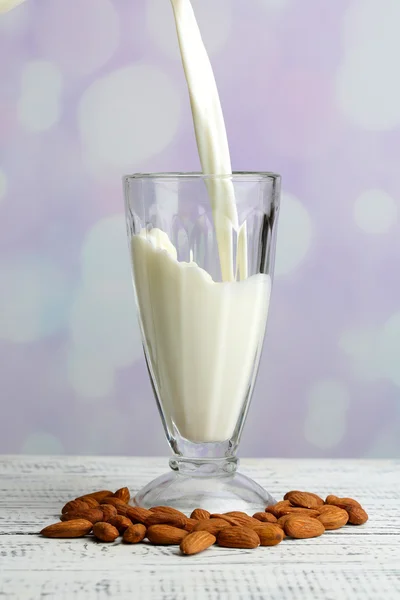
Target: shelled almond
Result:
[300, 515]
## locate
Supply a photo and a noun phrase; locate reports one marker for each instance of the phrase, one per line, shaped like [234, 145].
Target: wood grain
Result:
[353, 563]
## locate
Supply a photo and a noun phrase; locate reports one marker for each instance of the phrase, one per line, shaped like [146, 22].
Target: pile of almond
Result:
[108, 515]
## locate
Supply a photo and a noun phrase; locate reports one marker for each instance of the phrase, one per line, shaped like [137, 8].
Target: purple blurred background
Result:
[91, 89]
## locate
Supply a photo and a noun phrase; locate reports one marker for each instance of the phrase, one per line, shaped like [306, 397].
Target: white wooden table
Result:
[353, 563]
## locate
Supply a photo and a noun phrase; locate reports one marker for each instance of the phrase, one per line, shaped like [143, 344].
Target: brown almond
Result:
[300, 527]
[108, 511]
[134, 534]
[94, 515]
[357, 515]
[238, 537]
[273, 509]
[74, 505]
[105, 532]
[123, 494]
[270, 534]
[332, 517]
[190, 524]
[200, 514]
[97, 495]
[165, 534]
[304, 499]
[241, 518]
[265, 517]
[213, 526]
[137, 514]
[68, 529]
[342, 502]
[296, 510]
[315, 496]
[90, 501]
[226, 518]
[164, 515]
[117, 502]
[120, 522]
[282, 520]
[196, 542]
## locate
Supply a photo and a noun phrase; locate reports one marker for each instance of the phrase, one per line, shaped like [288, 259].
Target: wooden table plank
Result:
[353, 563]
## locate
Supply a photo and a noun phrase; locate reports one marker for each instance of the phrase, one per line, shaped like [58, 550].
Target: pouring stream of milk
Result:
[212, 141]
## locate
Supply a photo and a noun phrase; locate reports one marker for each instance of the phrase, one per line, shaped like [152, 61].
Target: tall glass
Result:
[202, 274]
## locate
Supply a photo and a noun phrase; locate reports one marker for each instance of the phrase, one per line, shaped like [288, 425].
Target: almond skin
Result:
[163, 535]
[108, 511]
[105, 532]
[270, 534]
[121, 523]
[274, 508]
[196, 542]
[190, 524]
[296, 510]
[137, 514]
[99, 496]
[226, 518]
[238, 537]
[242, 519]
[213, 526]
[332, 517]
[90, 501]
[282, 520]
[117, 502]
[134, 534]
[265, 517]
[342, 502]
[357, 515]
[94, 515]
[300, 527]
[74, 505]
[165, 516]
[68, 529]
[304, 499]
[123, 494]
[200, 514]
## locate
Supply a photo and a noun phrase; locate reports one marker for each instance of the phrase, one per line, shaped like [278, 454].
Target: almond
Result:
[134, 534]
[120, 522]
[273, 509]
[123, 494]
[304, 499]
[300, 527]
[242, 519]
[199, 514]
[270, 534]
[90, 501]
[190, 524]
[117, 502]
[282, 520]
[97, 495]
[197, 542]
[226, 518]
[105, 532]
[137, 514]
[238, 537]
[166, 516]
[68, 529]
[342, 502]
[74, 505]
[265, 517]
[108, 511]
[357, 515]
[332, 517]
[94, 515]
[165, 534]
[296, 510]
[213, 526]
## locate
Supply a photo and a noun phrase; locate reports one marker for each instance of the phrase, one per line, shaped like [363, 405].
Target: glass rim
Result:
[241, 175]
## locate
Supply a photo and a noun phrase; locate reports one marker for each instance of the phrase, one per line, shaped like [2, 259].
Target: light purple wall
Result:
[90, 89]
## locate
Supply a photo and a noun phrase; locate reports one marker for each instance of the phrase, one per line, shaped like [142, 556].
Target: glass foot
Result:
[216, 493]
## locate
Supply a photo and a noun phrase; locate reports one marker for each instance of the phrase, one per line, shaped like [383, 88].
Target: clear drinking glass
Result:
[202, 288]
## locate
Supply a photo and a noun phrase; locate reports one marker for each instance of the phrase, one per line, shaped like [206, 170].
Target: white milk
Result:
[203, 338]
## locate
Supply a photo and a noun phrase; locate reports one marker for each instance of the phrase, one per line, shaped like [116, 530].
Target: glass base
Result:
[212, 485]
